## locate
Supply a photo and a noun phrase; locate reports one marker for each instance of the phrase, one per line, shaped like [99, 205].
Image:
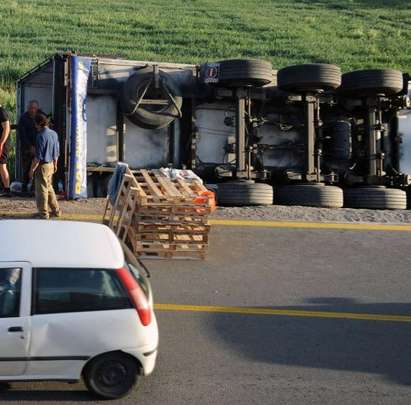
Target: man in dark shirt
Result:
[4, 137]
[44, 166]
[26, 134]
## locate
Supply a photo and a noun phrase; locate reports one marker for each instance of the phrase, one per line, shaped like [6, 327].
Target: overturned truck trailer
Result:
[305, 135]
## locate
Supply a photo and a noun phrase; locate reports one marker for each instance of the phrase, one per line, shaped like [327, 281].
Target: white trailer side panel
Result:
[404, 129]
[213, 134]
[102, 136]
[145, 148]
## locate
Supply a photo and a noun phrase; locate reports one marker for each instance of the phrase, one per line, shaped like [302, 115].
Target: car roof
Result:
[60, 244]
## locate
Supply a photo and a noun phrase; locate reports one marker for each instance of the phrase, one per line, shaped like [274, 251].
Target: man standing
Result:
[26, 133]
[4, 136]
[44, 166]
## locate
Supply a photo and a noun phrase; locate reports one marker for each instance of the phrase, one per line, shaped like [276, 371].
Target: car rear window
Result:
[139, 278]
[59, 290]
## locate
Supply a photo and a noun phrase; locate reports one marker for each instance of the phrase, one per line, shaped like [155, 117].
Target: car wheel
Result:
[361, 83]
[244, 192]
[151, 116]
[309, 77]
[111, 375]
[238, 73]
[311, 195]
[377, 197]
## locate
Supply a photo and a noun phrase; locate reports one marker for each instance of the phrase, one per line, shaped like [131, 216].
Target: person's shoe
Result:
[56, 214]
[40, 216]
[5, 193]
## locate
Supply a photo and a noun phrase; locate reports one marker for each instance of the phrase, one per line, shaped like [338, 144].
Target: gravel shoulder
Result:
[17, 206]
[311, 214]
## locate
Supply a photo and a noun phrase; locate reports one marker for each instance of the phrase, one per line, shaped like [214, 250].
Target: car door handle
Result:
[15, 329]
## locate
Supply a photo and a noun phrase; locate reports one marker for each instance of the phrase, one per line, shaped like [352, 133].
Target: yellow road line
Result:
[282, 312]
[252, 223]
[311, 225]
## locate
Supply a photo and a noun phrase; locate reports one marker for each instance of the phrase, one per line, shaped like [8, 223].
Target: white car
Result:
[72, 306]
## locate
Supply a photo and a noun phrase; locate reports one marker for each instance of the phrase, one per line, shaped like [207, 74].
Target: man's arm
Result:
[36, 161]
[5, 134]
[34, 165]
[56, 153]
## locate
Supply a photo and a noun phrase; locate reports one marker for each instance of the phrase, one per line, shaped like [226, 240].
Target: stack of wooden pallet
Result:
[160, 217]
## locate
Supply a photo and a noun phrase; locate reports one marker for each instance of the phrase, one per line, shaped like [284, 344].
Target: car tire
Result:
[309, 77]
[362, 83]
[311, 195]
[239, 73]
[243, 193]
[111, 375]
[377, 197]
[146, 116]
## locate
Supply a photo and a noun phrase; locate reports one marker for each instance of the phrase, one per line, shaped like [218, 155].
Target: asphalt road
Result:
[238, 358]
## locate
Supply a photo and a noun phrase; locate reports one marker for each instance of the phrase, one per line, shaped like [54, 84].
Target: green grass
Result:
[351, 33]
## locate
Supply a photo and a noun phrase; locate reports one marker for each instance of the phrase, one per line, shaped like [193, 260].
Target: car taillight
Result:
[136, 295]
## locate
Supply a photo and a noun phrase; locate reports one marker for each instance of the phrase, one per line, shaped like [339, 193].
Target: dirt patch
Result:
[16, 206]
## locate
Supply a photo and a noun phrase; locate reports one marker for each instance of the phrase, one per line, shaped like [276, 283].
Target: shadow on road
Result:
[16, 392]
[349, 345]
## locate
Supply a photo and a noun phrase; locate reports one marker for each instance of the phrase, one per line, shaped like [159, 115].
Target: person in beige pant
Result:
[44, 191]
[43, 168]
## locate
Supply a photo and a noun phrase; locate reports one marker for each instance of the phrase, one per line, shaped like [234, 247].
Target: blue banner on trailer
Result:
[77, 178]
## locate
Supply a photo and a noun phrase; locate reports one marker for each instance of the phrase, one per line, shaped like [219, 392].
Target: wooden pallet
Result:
[169, 241]
[159, 188]
[169, 251]
[120, 215]
[170, 234]
[170, 215]
[158, 217]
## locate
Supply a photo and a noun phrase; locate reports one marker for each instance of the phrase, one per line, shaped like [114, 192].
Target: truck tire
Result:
[369, 82]
[375, 197]
[238, 73]
[309, 77]
[311, 195]
[111, 375]
[244, 192]
[150, 116]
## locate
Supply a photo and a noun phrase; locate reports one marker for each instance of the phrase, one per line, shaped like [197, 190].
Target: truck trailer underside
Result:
[303, 135]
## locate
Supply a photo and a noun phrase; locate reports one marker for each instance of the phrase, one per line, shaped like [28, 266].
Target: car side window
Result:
[58, 290]
[10, 290]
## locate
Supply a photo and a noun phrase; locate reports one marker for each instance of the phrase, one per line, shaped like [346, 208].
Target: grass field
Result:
[352, 34]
